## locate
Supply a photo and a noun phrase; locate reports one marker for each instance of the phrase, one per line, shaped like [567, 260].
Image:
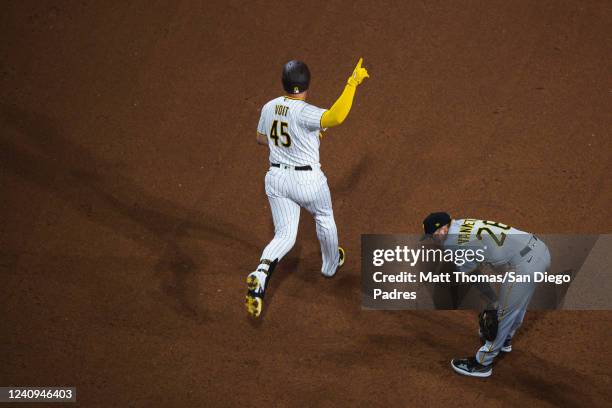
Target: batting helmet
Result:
[296, 77]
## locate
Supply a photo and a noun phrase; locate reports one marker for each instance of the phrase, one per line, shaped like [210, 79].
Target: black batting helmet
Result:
[296, 77]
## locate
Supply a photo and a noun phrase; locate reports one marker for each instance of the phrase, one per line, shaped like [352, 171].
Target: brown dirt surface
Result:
[133, 207]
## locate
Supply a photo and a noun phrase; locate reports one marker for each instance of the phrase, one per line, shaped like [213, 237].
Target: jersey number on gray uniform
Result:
[498, 241]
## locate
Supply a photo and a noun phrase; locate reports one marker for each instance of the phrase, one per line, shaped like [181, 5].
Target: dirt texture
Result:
[132, 203]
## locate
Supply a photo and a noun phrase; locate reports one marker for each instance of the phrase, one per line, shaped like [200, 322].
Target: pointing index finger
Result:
[359, 63]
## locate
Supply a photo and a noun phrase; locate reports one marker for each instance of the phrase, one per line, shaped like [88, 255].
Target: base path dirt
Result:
[132, 204]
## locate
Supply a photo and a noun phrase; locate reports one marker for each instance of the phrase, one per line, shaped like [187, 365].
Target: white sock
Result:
[263, 267]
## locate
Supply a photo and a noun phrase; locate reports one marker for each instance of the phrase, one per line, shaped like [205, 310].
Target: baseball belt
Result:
[529, 246]
[285, 166]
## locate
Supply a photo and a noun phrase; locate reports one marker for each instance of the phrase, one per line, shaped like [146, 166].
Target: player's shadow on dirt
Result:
[552, 382]
[355, 176]
[345, 285]
[538, 378]
[95, 189]
[181, 283]
[521, 370]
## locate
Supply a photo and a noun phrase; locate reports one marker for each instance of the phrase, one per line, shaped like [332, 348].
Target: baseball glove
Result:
[488, 322]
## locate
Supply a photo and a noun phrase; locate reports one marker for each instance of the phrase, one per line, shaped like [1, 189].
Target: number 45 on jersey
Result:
[274, 134]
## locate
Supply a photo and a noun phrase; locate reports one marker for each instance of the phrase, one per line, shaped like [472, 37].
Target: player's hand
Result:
[359, 74]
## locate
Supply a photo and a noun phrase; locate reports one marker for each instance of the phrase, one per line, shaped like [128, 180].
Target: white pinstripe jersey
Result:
[292, 127]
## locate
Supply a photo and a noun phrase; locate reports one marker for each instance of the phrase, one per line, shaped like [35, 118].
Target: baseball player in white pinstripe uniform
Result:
[291, 129]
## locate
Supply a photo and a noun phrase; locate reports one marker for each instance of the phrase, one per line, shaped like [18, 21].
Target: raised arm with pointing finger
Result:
[341, 108]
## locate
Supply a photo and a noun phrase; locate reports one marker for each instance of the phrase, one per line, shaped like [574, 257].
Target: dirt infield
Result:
[133, 207]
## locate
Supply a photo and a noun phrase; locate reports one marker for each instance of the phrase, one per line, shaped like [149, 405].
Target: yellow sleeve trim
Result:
[340, 109]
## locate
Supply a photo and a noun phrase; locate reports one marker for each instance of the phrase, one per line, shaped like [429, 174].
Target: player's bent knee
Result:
[291, 239]
[288, 242]
[286, 236]
[325, 221]
[328, 274]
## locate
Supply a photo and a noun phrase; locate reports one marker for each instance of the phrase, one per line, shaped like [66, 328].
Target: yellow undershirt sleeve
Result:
[340, 109]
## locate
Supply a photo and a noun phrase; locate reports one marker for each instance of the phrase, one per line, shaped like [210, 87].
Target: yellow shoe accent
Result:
[254, 305]
[342, 256]
[252, 282]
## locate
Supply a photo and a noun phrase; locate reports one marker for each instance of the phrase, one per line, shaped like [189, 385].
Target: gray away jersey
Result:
[501, 244]
[292, 127]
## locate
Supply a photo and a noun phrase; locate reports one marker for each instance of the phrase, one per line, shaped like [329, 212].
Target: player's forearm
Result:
[340, 109]
[262, 139]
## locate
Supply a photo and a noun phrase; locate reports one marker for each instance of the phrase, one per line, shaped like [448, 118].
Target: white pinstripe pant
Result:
[287, 191]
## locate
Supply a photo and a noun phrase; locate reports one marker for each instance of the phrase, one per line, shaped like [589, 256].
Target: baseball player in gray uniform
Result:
[500, 246]
[291, 128]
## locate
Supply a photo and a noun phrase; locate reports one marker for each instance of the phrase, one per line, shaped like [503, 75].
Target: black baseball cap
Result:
[434, 221]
